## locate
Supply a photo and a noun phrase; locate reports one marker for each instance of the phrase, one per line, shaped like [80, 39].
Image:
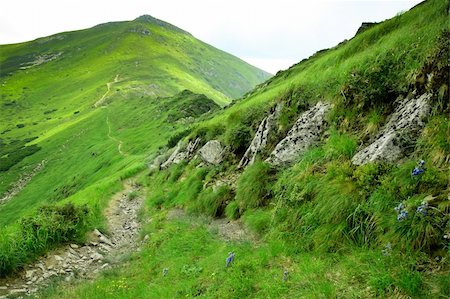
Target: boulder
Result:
[306, 132]
[212, 152]
[259, 142]
[401, 129]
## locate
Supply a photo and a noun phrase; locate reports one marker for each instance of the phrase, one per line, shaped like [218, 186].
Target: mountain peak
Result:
[152, 20]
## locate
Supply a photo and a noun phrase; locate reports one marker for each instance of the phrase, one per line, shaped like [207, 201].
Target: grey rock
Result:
[259, 142]
[96, 256]
[182, 152]
[402, 128]
[306, 132]
[29, 273]
[212, 152]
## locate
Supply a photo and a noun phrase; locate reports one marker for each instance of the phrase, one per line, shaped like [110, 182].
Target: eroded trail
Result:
[108, 89]
[22, 182]
[100, 251]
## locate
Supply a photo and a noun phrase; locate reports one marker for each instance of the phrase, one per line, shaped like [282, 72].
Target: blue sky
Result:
[271, 34]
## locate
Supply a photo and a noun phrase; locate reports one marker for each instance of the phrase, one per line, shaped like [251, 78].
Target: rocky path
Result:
[84, 261]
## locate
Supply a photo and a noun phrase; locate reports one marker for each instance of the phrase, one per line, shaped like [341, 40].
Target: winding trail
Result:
[119, 146]
[108, 87]
[84, 261]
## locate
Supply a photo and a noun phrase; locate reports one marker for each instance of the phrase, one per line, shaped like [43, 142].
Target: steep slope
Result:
[81, 110]
[330, 224]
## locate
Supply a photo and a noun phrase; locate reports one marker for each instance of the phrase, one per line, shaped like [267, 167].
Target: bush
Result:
[254, 186]
[48, 227]
[173, 140]
[375, 85]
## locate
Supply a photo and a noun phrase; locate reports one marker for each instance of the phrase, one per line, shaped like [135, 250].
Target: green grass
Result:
[195, 259]
[332, 225]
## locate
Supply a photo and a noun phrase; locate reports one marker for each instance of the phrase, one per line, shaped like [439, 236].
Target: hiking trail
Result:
[84, 261]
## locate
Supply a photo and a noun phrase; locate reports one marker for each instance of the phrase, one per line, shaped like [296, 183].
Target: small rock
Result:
[58, 258]
[74, 246]
[96, 256]
[17, 291]
[29, 273]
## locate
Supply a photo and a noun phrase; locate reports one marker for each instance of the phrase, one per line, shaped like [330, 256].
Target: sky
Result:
[270, 34]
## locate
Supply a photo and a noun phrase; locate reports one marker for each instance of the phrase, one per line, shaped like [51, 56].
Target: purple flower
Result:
[230, 258]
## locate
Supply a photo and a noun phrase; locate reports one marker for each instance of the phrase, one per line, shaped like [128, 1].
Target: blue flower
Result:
[230, 258]
[399, 208]
[423, 208]
[403, 215]
[416, 171]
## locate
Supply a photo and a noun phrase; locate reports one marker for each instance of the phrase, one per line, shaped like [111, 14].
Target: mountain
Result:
[329, 179]
[79, 109]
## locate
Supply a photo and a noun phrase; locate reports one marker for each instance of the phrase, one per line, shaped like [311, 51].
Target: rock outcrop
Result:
[212, 152]
[401, 129]
[182, 153]
[259, 142]
[305, 133]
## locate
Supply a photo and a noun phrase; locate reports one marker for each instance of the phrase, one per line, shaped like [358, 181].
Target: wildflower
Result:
[402, 215]
[419, 169]
[230, 258]
[423, 208]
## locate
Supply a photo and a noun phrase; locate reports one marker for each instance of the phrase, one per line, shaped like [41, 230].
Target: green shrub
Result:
[238, 138]
[254, 186]
[376, 84]
[173, 140]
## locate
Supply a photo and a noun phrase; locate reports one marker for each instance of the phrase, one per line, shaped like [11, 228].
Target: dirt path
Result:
[108, 89]
[226, 229]
[22, 182]
[119, 142]
[86, 261]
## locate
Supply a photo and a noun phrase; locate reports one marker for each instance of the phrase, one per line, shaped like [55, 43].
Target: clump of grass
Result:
[232, 210]
[258, 220]
[254, 186]
[211, 202]
[340, 145]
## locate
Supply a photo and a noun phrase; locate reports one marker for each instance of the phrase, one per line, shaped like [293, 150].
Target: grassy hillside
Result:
[92, 106]
[325, 227]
